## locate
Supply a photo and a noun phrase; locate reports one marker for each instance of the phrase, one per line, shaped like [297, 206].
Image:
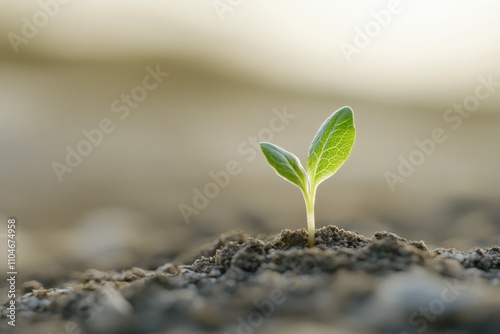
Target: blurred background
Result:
[74, 70]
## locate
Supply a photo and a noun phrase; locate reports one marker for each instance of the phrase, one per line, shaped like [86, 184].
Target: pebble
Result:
[30, 286]
[169, 268]
[214, 273]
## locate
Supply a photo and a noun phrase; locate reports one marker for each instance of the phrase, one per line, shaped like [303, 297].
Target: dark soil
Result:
[239, 284]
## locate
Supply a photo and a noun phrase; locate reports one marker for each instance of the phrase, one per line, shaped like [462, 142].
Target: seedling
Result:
[329, 150]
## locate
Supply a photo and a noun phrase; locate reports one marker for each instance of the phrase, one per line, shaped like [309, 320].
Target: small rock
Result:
[214, 273]
[169, 268]
[30, 286]
[460, 257]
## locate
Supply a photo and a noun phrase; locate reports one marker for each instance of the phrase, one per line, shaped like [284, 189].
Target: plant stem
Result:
[309, 198]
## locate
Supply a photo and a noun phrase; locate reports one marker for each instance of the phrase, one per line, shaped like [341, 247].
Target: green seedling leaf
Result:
[286, 164]
[331, 146]
[329, 150]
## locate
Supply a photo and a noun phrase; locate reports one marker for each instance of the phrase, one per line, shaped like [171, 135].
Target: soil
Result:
[265, 284]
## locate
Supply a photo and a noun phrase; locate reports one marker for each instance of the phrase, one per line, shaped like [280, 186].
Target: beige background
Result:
[119, 207]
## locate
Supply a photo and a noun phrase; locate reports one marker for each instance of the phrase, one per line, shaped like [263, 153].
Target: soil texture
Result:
[347, 283]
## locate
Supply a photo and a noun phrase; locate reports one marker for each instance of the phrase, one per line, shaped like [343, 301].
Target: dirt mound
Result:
[239, 284]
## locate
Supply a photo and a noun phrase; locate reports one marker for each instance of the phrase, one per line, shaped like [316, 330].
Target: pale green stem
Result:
[309, 198]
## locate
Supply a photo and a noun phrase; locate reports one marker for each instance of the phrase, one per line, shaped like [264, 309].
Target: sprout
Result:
[329, 150]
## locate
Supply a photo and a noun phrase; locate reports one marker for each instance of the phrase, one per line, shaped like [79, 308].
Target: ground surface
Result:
[275, 284]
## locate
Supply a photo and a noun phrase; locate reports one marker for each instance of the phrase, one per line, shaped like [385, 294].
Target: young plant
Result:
[329, 150]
